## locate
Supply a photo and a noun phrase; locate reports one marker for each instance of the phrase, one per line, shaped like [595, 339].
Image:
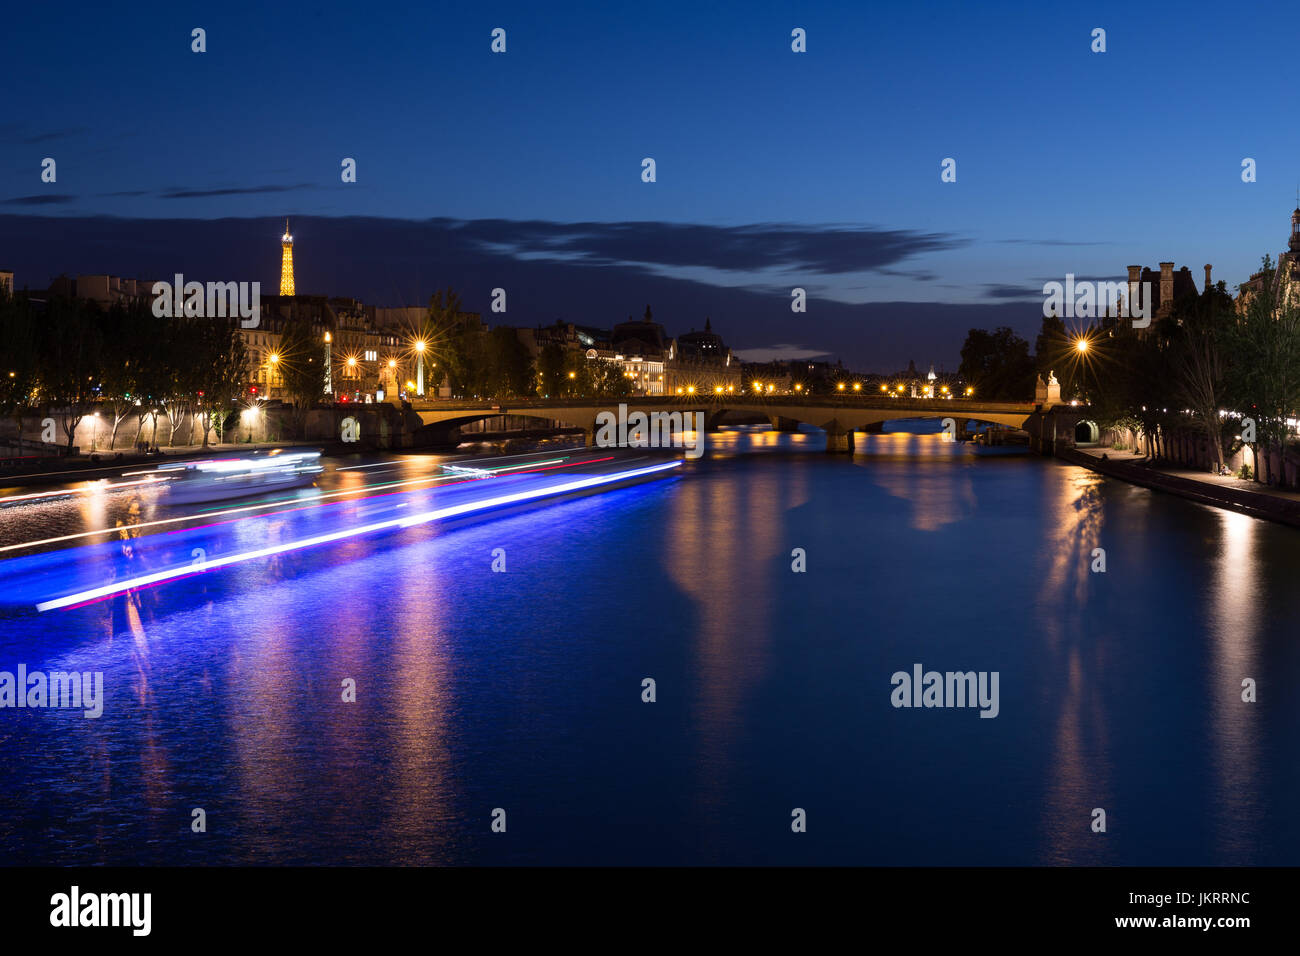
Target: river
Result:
[522, 691]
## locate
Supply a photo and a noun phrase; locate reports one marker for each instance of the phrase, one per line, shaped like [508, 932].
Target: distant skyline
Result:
[774, 169]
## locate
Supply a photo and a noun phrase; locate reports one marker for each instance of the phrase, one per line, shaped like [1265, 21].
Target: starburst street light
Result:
[420, 345]
[1081, 344]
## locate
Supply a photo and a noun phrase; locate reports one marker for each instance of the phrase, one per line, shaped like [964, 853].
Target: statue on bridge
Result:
[1049, 392]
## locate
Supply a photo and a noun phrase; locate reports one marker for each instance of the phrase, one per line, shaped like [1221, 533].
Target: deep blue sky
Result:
[1067, 161]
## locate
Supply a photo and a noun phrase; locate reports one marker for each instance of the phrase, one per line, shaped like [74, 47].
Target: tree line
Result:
[1224, 369]
[66, 358]
[497, 365]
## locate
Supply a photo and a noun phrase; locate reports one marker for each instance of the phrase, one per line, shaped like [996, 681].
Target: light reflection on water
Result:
[522, 690]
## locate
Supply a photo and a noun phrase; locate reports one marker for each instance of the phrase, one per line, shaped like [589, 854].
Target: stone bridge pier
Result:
[1051, 430]
[839, 439]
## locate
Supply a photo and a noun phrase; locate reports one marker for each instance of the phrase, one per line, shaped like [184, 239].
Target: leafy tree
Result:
[550, 369]
[1055, 351]
[1264, 379]
[608, 380]
[131, 334]
[1198, 361]
[220, 369]
[508, 365]
[301, 367]
[68, 360]
[998, 364]
[18, 338]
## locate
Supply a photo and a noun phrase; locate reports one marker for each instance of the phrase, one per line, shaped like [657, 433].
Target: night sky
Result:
[774, 169]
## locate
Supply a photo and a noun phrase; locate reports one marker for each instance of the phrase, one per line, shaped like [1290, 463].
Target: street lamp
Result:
[840, 386]
[419, 366]
[329, 364]
[1081, 345]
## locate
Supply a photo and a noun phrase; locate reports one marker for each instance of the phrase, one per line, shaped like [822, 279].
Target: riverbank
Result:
[1219, 491]
[51, 469]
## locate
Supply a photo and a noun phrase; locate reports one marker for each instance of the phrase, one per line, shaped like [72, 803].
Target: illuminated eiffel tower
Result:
[286, 261]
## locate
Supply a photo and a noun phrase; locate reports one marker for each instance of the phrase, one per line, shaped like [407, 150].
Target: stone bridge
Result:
[1050, 427]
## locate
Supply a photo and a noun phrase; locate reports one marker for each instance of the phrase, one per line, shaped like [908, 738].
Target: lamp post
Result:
[419, 367]
[329, 375]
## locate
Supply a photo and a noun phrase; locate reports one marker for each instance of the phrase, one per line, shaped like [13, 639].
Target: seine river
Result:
[522, 691]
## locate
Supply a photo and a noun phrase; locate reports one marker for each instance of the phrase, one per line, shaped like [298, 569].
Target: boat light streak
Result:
[101, 485]
[158, 577]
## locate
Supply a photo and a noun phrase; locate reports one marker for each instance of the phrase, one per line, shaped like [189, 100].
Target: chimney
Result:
[1166, 287]
[1207, 277]
[1134, 294]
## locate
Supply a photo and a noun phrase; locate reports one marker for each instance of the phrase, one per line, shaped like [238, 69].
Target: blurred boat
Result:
[221, 478]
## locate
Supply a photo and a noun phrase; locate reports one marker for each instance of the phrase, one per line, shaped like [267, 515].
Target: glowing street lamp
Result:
[840, 386]
[329, 364]
[857, 386]
[1082, 345]
[420, 346]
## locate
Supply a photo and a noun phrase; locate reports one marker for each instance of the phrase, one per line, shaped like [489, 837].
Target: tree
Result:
[220, 370]
[68, 361]
[1055, 351]
[301, 367]
[131, 334]
[608, 380]
[18, 337]
[1264, 378]
[508, 366]
[447, 343]
[550, 370]
[998, 364]
[1198, 363]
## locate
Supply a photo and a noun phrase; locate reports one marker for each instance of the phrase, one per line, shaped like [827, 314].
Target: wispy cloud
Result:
[995, 290]
[229, 191]
[41, 199]
[1050, 242]
[22, 134]
[762, 247]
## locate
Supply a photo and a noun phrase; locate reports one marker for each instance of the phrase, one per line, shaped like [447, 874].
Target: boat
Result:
[220, 478]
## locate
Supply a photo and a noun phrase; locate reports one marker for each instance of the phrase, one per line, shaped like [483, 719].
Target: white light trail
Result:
[118, 587]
